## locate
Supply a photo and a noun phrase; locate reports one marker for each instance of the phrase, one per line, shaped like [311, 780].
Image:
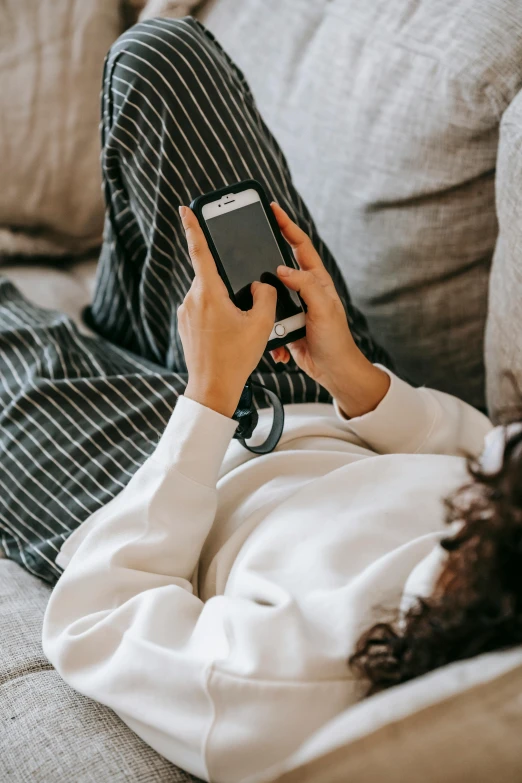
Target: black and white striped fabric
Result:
[80, 414]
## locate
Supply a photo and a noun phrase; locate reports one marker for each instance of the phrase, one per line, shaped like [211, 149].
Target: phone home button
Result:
[280, 330]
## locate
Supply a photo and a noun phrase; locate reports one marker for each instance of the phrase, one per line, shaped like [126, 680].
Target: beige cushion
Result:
[388, 112]
[51, 60]
[473, 736]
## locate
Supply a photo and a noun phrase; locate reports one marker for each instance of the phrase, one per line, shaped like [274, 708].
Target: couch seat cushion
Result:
[47, 730]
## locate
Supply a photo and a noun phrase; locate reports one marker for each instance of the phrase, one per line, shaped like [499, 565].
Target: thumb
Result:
[265, 300]
[305, 284]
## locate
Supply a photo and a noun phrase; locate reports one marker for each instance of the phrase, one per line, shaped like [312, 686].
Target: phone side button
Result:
[279, 330]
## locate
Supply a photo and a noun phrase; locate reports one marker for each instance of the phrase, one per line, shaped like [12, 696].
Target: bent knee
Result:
[161, 46]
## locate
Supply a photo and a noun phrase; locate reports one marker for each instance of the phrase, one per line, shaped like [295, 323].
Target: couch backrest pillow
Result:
[51, 62]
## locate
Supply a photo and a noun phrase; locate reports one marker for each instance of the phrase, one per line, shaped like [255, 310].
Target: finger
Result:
[305, 253]
[265, 300]
[280, 355]
[305, 284]
[297, 347]
[204, 265]
[297, 350]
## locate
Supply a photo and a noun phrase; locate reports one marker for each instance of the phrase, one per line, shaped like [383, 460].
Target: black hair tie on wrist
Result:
[247, 416]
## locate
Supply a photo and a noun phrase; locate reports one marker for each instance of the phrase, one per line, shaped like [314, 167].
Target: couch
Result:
[401, 122]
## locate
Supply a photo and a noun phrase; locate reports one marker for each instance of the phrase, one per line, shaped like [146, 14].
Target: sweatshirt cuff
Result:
[195, 441]
[399, 424]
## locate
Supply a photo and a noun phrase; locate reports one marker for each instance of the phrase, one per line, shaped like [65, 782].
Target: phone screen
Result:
[248, 251]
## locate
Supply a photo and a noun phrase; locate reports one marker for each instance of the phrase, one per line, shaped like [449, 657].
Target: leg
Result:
[78, 416]
[179, 120]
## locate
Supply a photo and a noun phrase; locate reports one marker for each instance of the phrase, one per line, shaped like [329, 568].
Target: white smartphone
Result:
[247, 245]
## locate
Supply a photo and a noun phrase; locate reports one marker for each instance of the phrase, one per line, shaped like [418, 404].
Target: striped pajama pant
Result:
[80, 414]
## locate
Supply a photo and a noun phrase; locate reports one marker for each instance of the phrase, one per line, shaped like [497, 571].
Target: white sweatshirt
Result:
[214, 603]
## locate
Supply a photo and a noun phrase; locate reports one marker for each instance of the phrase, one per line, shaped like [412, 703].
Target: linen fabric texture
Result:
[48, 731]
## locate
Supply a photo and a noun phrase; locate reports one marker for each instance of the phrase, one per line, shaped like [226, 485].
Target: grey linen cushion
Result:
[504, 328]
[388, 112]
[47, 730]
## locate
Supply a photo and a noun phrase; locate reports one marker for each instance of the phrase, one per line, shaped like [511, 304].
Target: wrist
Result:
[361, 389]
[217, 397]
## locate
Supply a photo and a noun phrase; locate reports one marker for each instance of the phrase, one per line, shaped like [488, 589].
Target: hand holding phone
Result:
[222, 344]
[247, 245]
[249, 239]
[328, 352]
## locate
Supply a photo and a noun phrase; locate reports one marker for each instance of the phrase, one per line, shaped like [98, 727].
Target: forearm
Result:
[417, 421]
[360, 388]
[214, 394]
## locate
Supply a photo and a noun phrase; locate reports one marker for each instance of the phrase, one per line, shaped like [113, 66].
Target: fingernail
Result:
[284, 271]
[182, 212]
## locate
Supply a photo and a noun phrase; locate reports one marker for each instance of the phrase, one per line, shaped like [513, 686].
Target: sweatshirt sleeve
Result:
[121, 625]
[195, 680]
[420, 421]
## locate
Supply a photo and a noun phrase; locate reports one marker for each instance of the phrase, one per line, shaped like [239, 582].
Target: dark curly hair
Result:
[476, 606]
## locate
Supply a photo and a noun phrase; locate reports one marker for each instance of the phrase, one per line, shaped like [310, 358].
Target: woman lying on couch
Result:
[214, 599]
